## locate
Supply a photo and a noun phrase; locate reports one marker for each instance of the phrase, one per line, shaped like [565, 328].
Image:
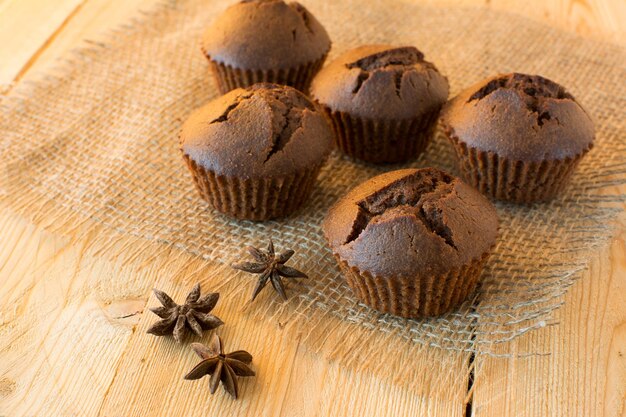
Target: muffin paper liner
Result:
[228, 77]
[381, 141]
[415, 297]
[254, 198]
[512, 180]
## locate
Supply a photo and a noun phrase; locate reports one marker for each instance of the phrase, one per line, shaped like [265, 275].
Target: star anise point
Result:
[271, 267]
[221, 366]
[177, 319]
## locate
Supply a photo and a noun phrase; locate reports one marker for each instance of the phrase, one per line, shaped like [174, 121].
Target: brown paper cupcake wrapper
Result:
[415, 297]
[257, 198]
[510, 180]
[381, 141]
[228, 77]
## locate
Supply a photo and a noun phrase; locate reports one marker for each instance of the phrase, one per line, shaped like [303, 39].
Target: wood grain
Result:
[36, 33]
[27, 28]
[73, 343]
[585, 372]
[90, 25]
[46, 30]
[72, 328]
[597, 19]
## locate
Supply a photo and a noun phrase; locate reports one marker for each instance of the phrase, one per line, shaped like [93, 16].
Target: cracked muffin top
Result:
[411, 222]
[265, 34]
[521, 117]
[381, 81]
[263, 130]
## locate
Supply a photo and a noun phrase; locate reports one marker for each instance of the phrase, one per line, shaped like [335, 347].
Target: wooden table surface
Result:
[52, 362]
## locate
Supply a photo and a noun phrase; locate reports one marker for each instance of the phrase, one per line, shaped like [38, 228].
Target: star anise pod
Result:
[221, 367]
[271, 267]
[194, 314]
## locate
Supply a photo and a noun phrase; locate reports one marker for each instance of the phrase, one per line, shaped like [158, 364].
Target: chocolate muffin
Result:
[412, 242]
[255, 153]
[383, 101]
[518, 137]
[265, 41]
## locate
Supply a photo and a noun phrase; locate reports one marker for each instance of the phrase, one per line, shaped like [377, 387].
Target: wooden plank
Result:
[33, 388]
[55, 294]
[26, 27]
[46, 30]
[585, 373]
[96, 17]
[73, 342]
[598, 19]
[49, 310]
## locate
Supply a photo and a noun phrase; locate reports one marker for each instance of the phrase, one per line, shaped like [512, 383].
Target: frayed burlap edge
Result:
[354, 346]
[324, 329]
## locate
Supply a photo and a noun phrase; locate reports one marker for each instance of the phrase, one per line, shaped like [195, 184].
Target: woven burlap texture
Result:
[95, 142]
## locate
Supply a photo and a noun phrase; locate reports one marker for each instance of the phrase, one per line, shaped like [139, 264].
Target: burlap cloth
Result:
[94, 144]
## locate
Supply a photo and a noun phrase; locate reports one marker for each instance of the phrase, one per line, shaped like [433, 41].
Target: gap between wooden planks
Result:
[34, 34]
[27, 28]
[585, 374]
[73, 343]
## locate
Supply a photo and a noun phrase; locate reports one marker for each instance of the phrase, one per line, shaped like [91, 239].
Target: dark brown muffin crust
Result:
[520, 117]
[411, 223]
[381, 82]
[265, 130]
[266, 34]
